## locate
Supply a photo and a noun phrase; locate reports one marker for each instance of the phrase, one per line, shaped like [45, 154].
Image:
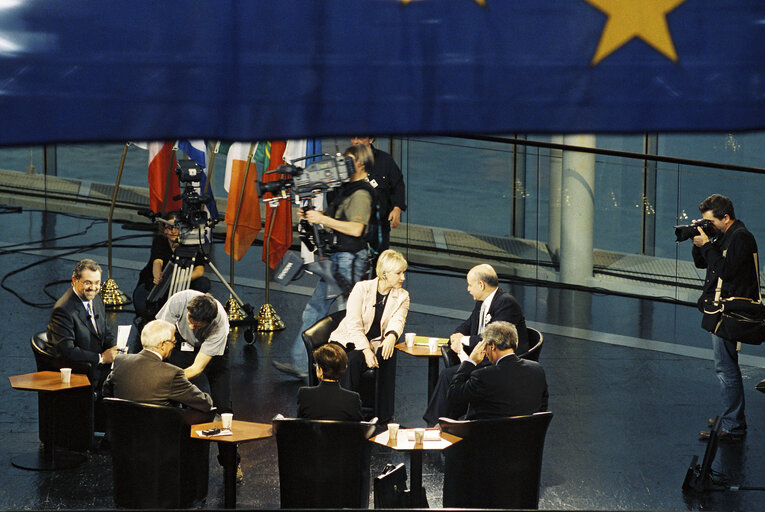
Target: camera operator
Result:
[348, 215]
[728, 255]
[163, 246]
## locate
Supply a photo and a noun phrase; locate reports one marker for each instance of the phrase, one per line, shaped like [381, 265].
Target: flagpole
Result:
[210, 167]
[167, 178]
[232, 306]
[110, 292]
[268, 320]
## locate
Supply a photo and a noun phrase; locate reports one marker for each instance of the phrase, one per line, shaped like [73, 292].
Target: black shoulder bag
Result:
[738, 319]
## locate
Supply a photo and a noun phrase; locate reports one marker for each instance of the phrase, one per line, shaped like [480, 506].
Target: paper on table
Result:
[123, 333]
[221, 433]
[441, 341]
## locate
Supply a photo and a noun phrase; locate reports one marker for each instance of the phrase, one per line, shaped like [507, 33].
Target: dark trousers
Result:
[386, 380]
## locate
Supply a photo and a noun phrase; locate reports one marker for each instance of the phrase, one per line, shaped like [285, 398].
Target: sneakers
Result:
[290, 370]
[239, 475]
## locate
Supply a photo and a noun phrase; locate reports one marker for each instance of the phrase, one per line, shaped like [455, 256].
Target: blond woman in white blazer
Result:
[375, 317]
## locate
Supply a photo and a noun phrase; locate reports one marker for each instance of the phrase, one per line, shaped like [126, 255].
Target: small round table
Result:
[241, 432]
[47, 384]
[404, 444]
[421, 349]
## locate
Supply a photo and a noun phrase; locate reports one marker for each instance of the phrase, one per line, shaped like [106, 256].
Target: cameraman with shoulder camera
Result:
[729, 256]
[348, 216]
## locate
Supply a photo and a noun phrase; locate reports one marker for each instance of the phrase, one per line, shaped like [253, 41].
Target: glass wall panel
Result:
[459, 184]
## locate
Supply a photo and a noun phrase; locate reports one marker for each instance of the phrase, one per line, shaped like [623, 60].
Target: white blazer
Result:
[360, 313]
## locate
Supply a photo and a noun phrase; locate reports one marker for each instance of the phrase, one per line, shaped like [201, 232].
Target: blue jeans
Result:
[352, 267]
[731, 385]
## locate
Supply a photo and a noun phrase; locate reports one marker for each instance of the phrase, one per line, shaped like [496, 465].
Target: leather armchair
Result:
[318, 335]
[322, 463]
[497, 464]
[156, 463]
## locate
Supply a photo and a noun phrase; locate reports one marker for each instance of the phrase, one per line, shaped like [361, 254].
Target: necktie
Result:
[482, 319]
[92, 317]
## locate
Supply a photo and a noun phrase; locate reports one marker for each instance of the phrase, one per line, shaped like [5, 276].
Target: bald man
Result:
[492, 305]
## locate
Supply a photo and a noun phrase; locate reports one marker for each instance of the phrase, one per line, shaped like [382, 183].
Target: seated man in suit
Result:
[509, 386]
[492, 305]
[145, 377]
[77, 330]
[328, 401]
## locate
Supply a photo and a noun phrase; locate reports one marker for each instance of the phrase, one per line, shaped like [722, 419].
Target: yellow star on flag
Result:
[628, 19]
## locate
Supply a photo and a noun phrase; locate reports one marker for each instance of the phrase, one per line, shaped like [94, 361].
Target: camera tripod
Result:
[176, 276]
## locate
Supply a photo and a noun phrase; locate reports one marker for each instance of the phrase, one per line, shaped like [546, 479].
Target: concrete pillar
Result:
[577, 211]
[553, 225]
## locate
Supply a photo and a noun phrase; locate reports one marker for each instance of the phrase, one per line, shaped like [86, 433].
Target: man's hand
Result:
[394, 217]
[455, 342]
[701, 238]
[315, 217]
[370, 358]
[387, 346]
[108, 355]
[479, 352]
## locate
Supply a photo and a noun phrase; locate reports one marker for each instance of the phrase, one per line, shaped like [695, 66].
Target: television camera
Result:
[328, 173]
[192, 220]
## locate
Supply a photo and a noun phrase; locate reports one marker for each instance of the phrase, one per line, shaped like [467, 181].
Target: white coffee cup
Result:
[419, 435]
[66, 375]
[227, 418]
[433, 344]
[393, 433]
[409, 339]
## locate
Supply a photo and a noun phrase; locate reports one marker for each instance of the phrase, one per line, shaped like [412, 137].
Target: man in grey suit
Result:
[146, 378]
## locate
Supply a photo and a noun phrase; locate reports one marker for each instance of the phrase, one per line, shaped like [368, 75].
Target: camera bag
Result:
[738, 319]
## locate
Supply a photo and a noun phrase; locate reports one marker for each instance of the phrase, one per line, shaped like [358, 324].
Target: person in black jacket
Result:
[509, 386]
[492, 305]
[388, 181]
[727, 256]
[328, 401]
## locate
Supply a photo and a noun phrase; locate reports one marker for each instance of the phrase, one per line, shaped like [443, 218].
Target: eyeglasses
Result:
[88, 284]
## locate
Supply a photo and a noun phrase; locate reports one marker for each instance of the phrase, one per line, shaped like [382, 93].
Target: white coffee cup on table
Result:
[419, 435]
[227, 419]
[409, 337]
[66, 375]
[392, 432]
[433, 344]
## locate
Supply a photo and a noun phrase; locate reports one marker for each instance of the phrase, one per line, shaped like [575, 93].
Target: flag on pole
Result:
[281, 215]
[248, 224]
[160, 155]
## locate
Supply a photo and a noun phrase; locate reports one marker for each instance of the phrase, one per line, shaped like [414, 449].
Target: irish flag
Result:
[248, 224]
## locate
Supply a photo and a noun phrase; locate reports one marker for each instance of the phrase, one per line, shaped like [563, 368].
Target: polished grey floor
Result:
[630, 382]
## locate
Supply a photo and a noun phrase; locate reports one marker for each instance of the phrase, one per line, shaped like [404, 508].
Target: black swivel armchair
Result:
[318, 335]
[497, 464]
[535, 342]
[322, 463]
[156, 464]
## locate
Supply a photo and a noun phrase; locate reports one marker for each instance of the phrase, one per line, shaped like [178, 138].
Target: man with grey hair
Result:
[492, 305]
[146, 378]
[509, 386]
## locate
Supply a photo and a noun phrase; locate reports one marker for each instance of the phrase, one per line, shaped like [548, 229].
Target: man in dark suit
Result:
[328, 401]
[77, 330]
[492, 305]
[509, 386]
[146, 378]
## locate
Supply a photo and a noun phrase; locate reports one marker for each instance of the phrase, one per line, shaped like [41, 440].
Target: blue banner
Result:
[259, 70]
